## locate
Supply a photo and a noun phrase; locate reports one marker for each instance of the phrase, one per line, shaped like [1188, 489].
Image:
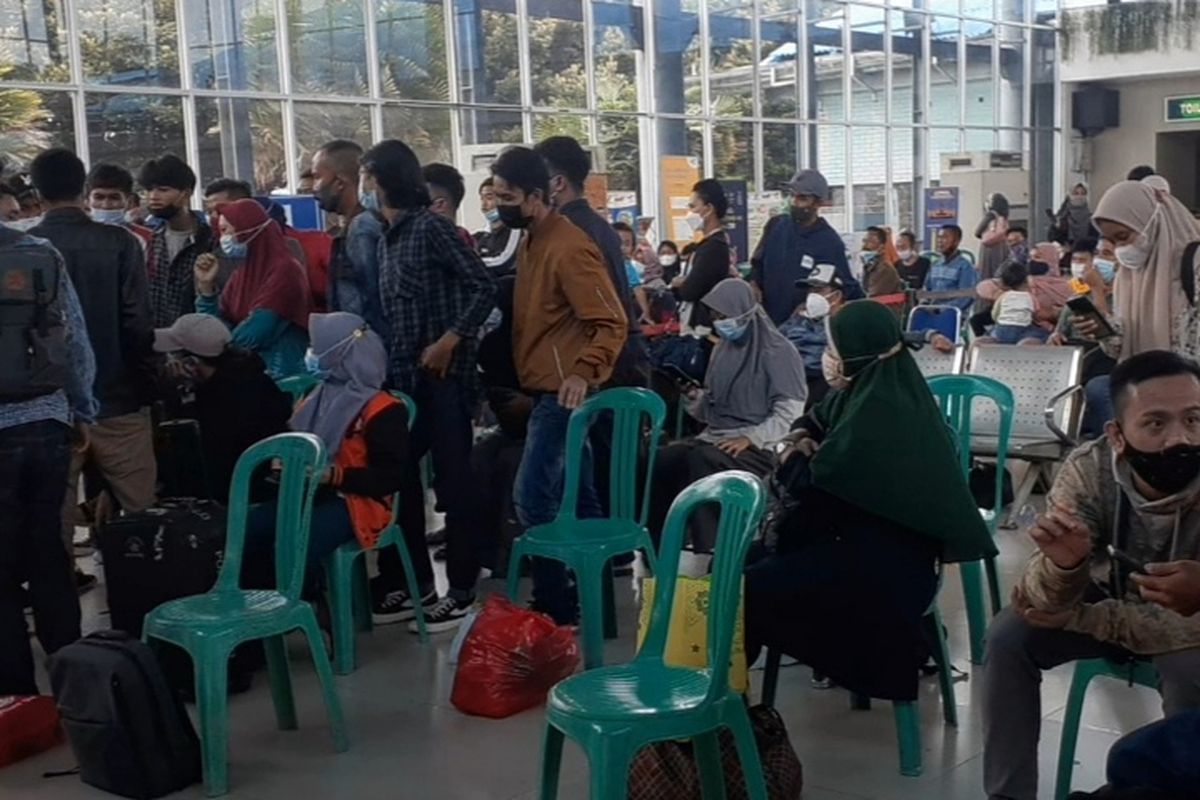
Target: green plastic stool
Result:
[346, 577]
[1137, 672]
[612, 712]
[209, 626]
[908, 723]
[298, 386]
[587, 545]
[956, 394]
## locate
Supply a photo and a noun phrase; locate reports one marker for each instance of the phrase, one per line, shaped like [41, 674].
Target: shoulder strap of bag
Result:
[1187, 270]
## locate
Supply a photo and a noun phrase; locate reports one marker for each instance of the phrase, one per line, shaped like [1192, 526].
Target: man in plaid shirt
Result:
[436, 293]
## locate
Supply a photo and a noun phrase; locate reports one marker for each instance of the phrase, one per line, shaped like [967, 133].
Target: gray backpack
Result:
[33, 346]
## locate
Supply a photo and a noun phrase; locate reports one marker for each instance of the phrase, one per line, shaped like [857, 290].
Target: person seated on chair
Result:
[1014, 307]
[953, 273]
[365, 433]
[1138, 489]
[225, 388]
[875, 498]
[753, 390]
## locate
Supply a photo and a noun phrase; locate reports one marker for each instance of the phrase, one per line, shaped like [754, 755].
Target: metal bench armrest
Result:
[1051, 411]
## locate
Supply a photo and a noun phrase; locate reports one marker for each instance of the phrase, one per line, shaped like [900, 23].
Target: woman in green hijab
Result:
[876, 500]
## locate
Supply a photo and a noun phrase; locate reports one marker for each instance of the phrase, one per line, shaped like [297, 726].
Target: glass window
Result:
[903, 155]
[33, 41]
[241, 138]
[1014, 10]
[488, 62]
[777, 67]
[869, 83]
[231, 44]
[944, 74]
[676, 71]
[622, 152]
[906, 54]
[828, 61]
[327, 47]
[129, 42]
[733, 152]
[781, 153]
[556, 54]
[831, 153]
[1012, 77]
[32, 121]
[941, 141]
[560, 124]
[411, 40]
[616, 53]
[868, 173]
[488, 125]
[425, 130]
[980, 87]
[317, 123]
[981, 9]
[129, 129]
[732, 62]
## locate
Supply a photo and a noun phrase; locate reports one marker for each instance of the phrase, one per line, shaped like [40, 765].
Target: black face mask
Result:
[1169, 471]
[328, 199]
[804, 216]
[166, 213]
[512, 217]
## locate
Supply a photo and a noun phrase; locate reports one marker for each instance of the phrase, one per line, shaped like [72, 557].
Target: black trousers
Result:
[34, 459]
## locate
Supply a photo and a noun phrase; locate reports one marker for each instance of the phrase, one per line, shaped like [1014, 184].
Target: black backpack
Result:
[33, 345]
[130, 734]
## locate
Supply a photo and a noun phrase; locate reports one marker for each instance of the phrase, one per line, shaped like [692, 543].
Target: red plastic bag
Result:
[510, 660]
[28, 725]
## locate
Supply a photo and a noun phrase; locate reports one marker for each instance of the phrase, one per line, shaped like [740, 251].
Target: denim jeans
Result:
[538, 492]
[33, 470]
[1098, 409]
[330, 529]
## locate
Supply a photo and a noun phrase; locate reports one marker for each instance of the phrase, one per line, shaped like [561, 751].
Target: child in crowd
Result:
[1014, 307]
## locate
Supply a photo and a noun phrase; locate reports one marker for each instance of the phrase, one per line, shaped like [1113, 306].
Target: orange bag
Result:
[510, 660]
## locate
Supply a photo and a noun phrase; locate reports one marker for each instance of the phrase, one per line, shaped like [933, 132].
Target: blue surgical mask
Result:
[231, 247]
[731, 329]
[493, 216]
[1106, 268]
[109, 216]
[368, 200]
[312, 363]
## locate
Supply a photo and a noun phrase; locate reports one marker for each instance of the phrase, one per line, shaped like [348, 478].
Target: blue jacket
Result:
[810, 339]
[957, 274]
[354, 272]
[776, 264]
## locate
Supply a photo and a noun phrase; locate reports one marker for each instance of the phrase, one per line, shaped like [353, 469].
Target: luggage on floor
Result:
[180, 457]
[28, 725]
[667, 770]
[510, 660]
[129, 732]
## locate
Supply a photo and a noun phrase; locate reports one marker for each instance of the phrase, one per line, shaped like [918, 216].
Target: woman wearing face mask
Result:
[877, 499]
[706, 262]
[1075, 216]
[754, 389]
[266, 301]
[992, 232]
[912, 266]
[668, 257]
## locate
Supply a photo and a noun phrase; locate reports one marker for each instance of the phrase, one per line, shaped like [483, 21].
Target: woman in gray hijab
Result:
[365, 433]
[992, 233]
[754, 389]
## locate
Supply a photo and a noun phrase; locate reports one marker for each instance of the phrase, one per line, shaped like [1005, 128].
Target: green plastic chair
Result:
[1137, 672]
[587, 545]
[612, 712]
[298, 386]
[209, 626]
[908, 723]
[346, 577]
[956, 395]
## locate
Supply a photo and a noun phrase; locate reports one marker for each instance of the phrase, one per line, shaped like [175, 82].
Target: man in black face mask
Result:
[1137, 490]
[180, 237]
[792, 245]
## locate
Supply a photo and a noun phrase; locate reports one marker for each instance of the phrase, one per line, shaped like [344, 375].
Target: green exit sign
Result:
[1183, 109]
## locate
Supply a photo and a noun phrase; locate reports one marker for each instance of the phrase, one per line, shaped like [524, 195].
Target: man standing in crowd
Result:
[791, 246]
[568, 329]
[107, 269]
[446, 191]
[39, 402]
[436, 295]
[1136, 487]
[109, 189]
[497, 245]
[954, 273]
[353, 284]
[179, 240]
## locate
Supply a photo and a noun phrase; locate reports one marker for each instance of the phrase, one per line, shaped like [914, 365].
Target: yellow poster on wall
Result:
[679, 175]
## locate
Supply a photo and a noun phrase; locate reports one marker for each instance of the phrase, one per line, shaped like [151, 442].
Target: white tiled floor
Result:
[408, 741]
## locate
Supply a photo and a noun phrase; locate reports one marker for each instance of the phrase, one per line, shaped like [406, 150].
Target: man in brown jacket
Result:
[1138, 490]
[568, 328]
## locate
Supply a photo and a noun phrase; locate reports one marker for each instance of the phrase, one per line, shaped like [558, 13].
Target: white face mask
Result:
[905, 255]
[1078, 269]
[24, 224]
[1134, 255]
[694, 221]
[816, 306]
[668, 259]
[831, 369]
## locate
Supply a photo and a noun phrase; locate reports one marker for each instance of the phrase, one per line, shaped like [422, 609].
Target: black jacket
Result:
[709, 266]
[108, 268]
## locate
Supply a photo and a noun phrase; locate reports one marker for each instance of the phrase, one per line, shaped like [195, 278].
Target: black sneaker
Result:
[436, 538]
[445, 616]
[397, 606]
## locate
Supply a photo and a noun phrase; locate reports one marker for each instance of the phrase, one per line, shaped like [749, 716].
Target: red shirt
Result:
[318, 248]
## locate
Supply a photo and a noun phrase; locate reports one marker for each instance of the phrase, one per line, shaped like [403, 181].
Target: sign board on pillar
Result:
[941, 208]
[302, 211]
[1183, 109]
[679, 175]
[736, 220]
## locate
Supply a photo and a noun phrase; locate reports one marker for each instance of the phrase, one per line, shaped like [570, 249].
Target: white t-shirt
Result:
[1014, 308]
[176, 241]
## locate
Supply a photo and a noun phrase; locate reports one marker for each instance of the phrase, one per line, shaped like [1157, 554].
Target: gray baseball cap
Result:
[199, 334]
[809, 182]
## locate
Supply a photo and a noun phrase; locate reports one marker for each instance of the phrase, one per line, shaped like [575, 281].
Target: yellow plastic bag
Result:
[687, 639]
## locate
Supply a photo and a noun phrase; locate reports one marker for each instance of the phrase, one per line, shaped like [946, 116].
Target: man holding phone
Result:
[1137, 489]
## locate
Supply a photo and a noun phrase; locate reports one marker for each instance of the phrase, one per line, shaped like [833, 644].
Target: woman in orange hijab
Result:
[266, 301]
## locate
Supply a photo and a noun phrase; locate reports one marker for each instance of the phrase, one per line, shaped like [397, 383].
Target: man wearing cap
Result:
[793, 245]
[225, 389]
